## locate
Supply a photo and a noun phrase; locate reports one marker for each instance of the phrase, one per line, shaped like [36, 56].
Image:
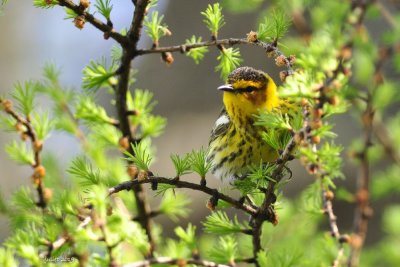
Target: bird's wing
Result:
[221, 125]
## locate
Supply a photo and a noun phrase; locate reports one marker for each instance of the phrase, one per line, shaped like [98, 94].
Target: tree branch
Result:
[123, 72]
[183, 184]
[137, 22]
[183, 48]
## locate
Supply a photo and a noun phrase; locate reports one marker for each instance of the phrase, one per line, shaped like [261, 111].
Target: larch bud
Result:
[316, 139]
[316, 124]
[143, 175]
[317, 113]
[210, 205]
[344, 239]
[252, 37]
[283, 75]
[79, 22]
[292, 59]
[346, 52]
[356, 241]
[334, 100]
[19, 127]
[37, 145]
[133, 171]
[167, 58]
[329, 195]
[84, 4]
[47, 194]
[39, 171]
[181, 262]
[304, 102]
[124, 143]
[280, 61]
[109, 210]
[7, 105]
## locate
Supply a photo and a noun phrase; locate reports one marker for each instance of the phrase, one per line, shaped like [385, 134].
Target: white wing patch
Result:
[222, 120]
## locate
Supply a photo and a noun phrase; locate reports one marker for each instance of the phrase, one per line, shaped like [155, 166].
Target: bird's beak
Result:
[226, 88]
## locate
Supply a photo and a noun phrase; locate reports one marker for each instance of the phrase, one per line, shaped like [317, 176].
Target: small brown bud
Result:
[316, 124]
[356, 241]
[167, 58]
[47, 194]
[143, 175]
[79, 22]
[19, 127]
[133, 171]
[347, 72]
[378, 77]
[334, 100]
[109, 210]
[252, 37]
[106, 35]
[210, 205]
[49, 2]
[317, 113]
[329, 195]
[24, 136]
[38, 145]
[7, 105]
[280, 61]
[298, 138]
[271, 53]
[336, 84]
[36, 180]
[346, 52]
[124, 143]
[312, 168]
[316, 139]
[84, 3]
[283, 75]
[383, 52]
[303, 160]
[39, 171]
[304, 102]
[181, 262]
[367, 212]
[344, 239]
[362, 196]
[292, 59]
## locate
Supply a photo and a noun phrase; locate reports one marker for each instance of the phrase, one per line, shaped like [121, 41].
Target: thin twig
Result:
[63, 239]
[266, 211]
[122, 40]
[36, 147]
[183, 48]
[339, 256]
[363, 210]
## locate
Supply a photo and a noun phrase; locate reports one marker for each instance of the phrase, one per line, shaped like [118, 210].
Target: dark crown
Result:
[247, 74]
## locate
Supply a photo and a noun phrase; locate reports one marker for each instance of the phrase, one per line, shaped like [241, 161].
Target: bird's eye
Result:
[250, 89]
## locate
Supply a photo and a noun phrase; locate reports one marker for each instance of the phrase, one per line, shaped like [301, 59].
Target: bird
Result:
[236, 142]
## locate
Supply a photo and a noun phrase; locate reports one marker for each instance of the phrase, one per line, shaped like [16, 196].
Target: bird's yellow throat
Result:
[241, 105]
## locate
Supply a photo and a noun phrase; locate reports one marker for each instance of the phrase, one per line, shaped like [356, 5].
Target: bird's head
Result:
[248, 90]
